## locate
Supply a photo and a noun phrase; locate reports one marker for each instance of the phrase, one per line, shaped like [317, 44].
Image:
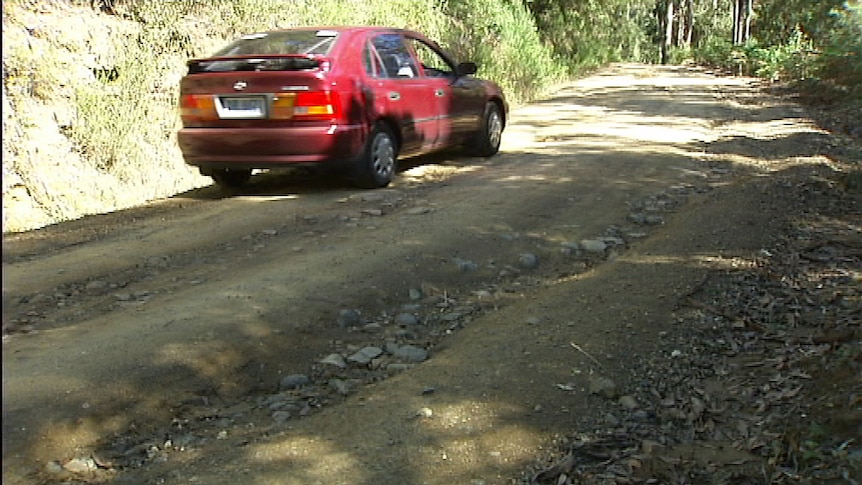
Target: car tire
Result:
[228, 179]
[486, 143]
[376, 166]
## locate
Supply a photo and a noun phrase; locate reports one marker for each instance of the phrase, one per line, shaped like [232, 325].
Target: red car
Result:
[355, 97]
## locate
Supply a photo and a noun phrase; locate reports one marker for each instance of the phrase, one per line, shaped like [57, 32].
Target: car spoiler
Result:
[267, 62]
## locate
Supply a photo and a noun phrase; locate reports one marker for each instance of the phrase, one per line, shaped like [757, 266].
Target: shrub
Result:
[503, 39]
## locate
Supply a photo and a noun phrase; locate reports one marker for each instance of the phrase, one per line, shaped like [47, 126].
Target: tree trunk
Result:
[668, 32]
[736, 21]
[689, 22]
[742, 13]
[749, 11]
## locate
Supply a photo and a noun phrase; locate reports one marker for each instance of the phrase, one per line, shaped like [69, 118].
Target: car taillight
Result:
[315, 105]
[197, 107]
[282, 106]
[312, 106]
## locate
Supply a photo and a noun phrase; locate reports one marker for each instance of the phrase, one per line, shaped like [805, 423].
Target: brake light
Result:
[317, 105]
[197, 107]
[313, 106]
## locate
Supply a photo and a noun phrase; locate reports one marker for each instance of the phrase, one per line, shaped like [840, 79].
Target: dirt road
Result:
[453, 328]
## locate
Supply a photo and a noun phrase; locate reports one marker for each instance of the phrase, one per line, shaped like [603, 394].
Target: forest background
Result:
[90, 86]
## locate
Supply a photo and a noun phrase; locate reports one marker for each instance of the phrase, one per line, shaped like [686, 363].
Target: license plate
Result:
[241, 107]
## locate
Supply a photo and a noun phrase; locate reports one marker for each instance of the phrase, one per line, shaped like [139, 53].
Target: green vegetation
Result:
[796, 40]
[110, 83]
[586, 34]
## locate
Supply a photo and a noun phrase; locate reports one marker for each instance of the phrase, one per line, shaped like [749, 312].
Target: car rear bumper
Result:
[270, 147]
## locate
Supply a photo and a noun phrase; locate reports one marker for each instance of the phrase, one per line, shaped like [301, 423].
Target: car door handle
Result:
[394, 95]
[439, 92]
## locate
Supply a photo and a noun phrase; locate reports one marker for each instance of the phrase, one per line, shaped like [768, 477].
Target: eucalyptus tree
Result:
[594, 32]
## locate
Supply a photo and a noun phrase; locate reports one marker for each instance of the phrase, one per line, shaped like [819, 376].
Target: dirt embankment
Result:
[656, 281]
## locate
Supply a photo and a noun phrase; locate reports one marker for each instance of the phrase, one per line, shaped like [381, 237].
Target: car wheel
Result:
[487, 141]
[229, 179]
[376, 167]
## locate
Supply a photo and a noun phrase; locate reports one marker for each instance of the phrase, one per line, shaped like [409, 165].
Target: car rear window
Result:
[313, 42]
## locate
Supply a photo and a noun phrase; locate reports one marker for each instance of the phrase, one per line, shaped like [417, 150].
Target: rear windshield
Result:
[282, 42]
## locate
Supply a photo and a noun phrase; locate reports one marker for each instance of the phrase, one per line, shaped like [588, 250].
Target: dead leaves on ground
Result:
[769, 389]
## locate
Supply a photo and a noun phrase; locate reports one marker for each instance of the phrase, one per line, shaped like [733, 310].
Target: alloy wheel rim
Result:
[383, 155]
[495, 129]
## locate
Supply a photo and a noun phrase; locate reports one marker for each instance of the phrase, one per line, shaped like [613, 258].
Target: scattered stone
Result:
[80, 465]
[335, 359]
[451, 316]
[96, 285]
[643, 219]
[613, 241]
[340, 386]
[411, 308]
[603, 387]
[640, 415]
[411, 353]
[415, 294]
[372, 212]
[365, 355]
[593, 245]
[465, 264]
[612, 420]
[370, 196]
[294, 381]
[418, 210]
[281, 416]
[406, 333]
[406, 319]
[424, 413]
[528, 261]
[349, 318]
[269, 232]
[53, 468]
[628, 402]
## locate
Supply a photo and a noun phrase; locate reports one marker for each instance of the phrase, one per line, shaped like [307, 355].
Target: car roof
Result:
[349, 29]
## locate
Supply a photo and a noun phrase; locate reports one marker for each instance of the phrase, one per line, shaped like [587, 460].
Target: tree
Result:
[742, 13]
[688, 29]
[667, 27]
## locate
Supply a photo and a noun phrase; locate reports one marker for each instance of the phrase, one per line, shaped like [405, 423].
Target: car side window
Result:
[372, 61]
[394, 58]
[433, 63]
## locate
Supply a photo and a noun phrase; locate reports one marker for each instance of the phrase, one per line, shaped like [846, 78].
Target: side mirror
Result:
[466, 69]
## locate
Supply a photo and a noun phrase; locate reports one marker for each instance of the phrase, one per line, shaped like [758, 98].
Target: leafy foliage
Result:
[503, 38]
[796, 40]
[591, 33]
